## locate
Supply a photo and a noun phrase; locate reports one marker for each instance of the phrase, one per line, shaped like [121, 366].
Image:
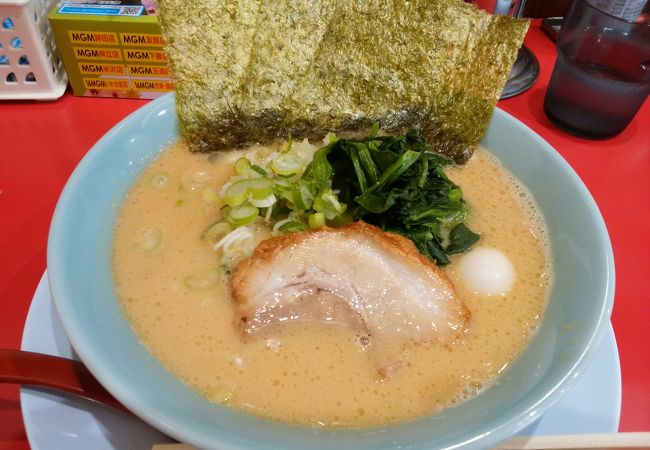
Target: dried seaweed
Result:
[255, 70]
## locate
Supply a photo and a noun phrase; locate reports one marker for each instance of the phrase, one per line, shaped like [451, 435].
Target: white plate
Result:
[64, 422]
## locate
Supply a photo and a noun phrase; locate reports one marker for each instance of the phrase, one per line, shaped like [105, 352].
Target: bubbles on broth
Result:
[160, 181]
[323, 374]
[148, 238]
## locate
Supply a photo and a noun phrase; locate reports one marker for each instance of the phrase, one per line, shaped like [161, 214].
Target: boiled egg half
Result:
[486, 271]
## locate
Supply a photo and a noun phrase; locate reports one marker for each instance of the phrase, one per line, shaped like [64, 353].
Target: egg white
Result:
[487, 271]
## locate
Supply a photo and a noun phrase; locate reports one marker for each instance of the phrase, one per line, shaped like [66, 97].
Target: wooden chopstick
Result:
[173, 447]
[613, 441]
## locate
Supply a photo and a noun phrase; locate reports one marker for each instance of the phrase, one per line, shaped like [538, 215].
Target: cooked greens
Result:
[394, 182]
[250, 71]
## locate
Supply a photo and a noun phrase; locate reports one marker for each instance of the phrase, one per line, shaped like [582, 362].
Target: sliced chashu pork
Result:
[357, 275]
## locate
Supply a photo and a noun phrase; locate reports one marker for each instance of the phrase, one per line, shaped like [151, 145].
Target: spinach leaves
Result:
[394, 182]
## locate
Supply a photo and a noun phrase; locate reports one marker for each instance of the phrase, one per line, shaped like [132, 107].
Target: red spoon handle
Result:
[48, 371]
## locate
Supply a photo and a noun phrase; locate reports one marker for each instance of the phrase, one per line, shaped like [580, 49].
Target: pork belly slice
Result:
[357, 275]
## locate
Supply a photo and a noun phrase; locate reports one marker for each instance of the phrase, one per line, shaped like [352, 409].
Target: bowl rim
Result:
[102, 370]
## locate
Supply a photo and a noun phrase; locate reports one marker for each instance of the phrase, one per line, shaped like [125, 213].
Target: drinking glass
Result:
[602, 73]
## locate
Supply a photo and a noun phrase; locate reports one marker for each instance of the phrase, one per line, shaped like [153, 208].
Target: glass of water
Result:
[602, 74]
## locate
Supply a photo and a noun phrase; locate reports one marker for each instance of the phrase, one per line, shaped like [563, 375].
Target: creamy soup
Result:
[314, 374]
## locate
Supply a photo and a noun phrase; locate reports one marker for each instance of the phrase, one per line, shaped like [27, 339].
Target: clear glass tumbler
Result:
[602, 74]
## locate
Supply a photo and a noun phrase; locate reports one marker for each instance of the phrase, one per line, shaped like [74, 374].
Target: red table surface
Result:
[41, 143]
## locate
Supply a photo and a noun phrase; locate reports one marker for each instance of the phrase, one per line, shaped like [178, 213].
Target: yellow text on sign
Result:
[110, 84]
[101, 69]
[152, 85]
[106, 54]
[92, 37]
[141, 39]
[148, 71]
[145, 55]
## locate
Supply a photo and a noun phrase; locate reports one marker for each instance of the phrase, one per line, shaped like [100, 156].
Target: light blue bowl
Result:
[79, 269]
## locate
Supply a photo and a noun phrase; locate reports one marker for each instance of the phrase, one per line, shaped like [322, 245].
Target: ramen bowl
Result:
[81, 283]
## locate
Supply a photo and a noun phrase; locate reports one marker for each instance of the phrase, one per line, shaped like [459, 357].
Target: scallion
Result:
[241, 215]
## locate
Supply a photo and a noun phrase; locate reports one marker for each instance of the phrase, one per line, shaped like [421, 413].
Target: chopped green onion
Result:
[242, 215]
[292, 226]
[288, 225]
[288, 145]
[215, 232]
[328, 203]
[283, 188]
[263, 203]
[202, 283]
[316, 220]
[241, 165]
[287, 164]
[257, 188]
[259, 170]
[278, 224]
[260, 188]
[193, 180]
[267, 214]
[302, 197]
[237, 193]
[233, 238]
[211, 195]
[282, 185]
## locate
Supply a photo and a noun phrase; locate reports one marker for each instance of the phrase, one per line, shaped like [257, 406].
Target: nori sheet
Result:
[250, 71]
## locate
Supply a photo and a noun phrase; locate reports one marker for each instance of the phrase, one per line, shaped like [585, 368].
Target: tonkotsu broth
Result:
[311, 373]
